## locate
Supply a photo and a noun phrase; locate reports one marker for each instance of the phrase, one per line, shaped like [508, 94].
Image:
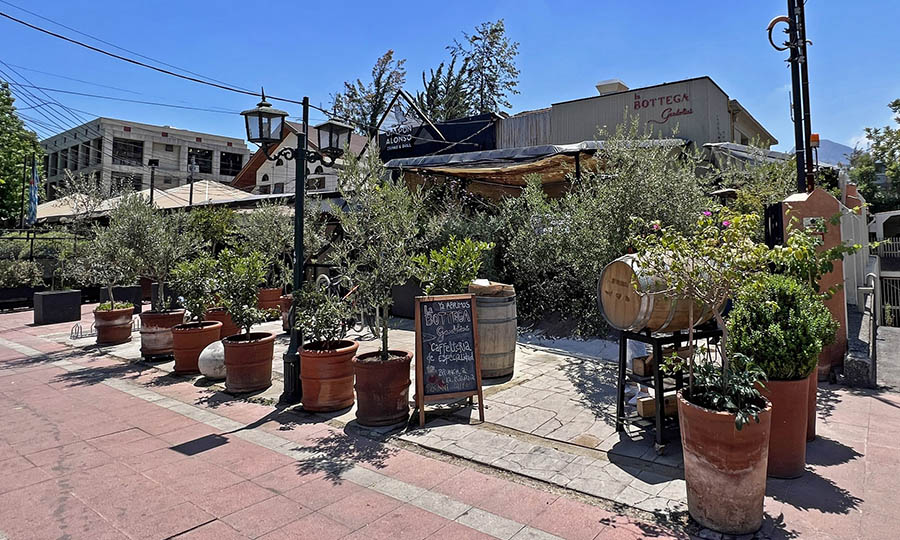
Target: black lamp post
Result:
[264, 127]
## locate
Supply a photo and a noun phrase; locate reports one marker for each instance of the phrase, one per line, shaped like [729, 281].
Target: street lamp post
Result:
[265, 125]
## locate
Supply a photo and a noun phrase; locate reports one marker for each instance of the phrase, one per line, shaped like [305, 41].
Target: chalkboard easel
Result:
[448, 365]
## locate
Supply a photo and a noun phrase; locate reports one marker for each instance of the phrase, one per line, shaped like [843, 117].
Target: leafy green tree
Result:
[884, 151]
[16, 143]
[491, 58]
[446, 93]
[864, 172]
[365, 103]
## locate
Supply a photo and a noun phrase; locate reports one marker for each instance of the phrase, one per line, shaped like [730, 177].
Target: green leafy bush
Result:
[15, 273]
[321, 316]
[213, 225]
[450, 269]
[782, 325]
[240, 277]
[734, 391]
[197, 282]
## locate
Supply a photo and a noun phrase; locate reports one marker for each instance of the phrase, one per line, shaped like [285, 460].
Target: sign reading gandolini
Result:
[447, 361]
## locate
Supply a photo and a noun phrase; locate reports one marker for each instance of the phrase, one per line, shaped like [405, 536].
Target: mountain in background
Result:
[832, 152]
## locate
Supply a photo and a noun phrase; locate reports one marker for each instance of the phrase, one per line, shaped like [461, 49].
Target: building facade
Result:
[118, 153]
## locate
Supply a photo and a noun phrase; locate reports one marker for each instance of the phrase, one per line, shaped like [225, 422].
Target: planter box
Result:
[173, 302]
[57, 306]
[15, 297]
[130, 293]
[90, 295]
[404, 299]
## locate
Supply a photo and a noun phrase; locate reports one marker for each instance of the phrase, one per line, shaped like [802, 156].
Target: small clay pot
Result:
[228, 326]
[269, 298]
[248, 362]
[327, 376]
[724, 469]
[382, 388]
[113, 326]
[156, 331]
[286, 302]
[189, 340]
[787, 445]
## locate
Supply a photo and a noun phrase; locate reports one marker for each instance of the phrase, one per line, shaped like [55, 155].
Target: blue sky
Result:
[310, 48]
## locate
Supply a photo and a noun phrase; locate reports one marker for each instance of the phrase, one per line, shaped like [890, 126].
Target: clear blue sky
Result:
[310, 48]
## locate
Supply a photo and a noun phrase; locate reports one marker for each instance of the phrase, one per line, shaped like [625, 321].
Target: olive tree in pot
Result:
[380, 238]
[724, 420]
[782, 325]
[196, 282]
[166, 241]
[326, 369]
[248, 355]
[269, 231]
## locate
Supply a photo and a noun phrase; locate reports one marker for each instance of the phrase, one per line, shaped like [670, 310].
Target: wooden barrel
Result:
[627, 307]
[496, 334]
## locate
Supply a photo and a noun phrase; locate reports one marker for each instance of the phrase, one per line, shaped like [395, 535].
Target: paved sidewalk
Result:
[91, 447]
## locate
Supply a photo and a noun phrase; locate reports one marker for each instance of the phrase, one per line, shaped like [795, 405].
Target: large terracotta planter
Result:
[189, 340]
[724, 469]
[327, 376]
[219, 314]
[382, 388]
[248, 362]
[787, 445]
[156, 331]
[811, 406]
[286, 302]
[269, 298]
[113, 326]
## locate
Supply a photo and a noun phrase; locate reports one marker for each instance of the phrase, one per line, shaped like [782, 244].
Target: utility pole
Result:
[804, 82]
[153, 163]
[24, 186]
[191, 168]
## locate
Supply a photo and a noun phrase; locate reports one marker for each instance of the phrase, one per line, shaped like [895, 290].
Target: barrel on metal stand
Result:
[631, 308]
[496, 334]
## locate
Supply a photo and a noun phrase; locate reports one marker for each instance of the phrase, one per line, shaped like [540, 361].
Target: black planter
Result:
[170, 294]
[404, 299]
[16, 297]
[90, 295]
[57, 306]
[130, 293]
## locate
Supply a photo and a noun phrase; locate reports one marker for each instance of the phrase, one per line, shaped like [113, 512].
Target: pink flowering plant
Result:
[707, 265]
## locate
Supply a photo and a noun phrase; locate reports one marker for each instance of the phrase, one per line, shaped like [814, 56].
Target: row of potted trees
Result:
[743, 416]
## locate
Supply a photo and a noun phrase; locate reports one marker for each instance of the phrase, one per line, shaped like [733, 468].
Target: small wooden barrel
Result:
[496, 334]
[627, 307]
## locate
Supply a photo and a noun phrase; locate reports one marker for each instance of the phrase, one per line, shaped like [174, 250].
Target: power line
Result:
[74, 79]
[111, 44]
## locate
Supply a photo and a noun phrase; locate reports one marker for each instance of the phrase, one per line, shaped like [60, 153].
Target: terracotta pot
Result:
[228, 326]
[156, 331]
[189, 340]
[269, 298]
[811, 406]
[724, 469]
[286, 303]
[382, 388]
[787, 445]
[113, 326]
[327, 376]
[248, 362]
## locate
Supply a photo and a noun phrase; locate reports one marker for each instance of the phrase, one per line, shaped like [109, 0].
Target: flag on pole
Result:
[33, 193]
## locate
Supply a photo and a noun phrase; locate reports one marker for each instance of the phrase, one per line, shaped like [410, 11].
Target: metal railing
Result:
[889, 248]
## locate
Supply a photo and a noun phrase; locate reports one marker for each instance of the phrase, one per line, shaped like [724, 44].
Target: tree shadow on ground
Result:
[88, 375]
[827, 452]
[338, 452]
[814, 492]
[775, 528]
[595, 381]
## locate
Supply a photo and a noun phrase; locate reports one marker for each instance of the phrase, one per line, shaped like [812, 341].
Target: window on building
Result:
[64, 159]
[97, 145]
[264, 190]
[278, 188]
[170, 148]
[127, 152]
[265, 178]
[230, 163]
[315, 183]
[202, 158]
[54, 164]
[73, 158]
[85, 153]
[47, 164]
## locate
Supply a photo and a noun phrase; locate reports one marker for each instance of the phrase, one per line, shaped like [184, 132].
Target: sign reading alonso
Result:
[664, 107]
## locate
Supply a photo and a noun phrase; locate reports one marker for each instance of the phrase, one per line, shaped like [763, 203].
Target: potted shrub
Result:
[269, 231]
[380, 237]
[195, 281]
[18, 280]
[724, 420]
[326, 369]
[782, 325]
[248, 355]
[60, 303]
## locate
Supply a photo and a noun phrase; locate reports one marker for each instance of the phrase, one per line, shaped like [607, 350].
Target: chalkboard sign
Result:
[447, 361]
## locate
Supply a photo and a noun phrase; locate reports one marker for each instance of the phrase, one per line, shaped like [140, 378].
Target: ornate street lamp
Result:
[264, 127]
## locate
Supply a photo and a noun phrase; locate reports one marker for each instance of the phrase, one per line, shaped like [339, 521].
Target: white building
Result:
[119, 152]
